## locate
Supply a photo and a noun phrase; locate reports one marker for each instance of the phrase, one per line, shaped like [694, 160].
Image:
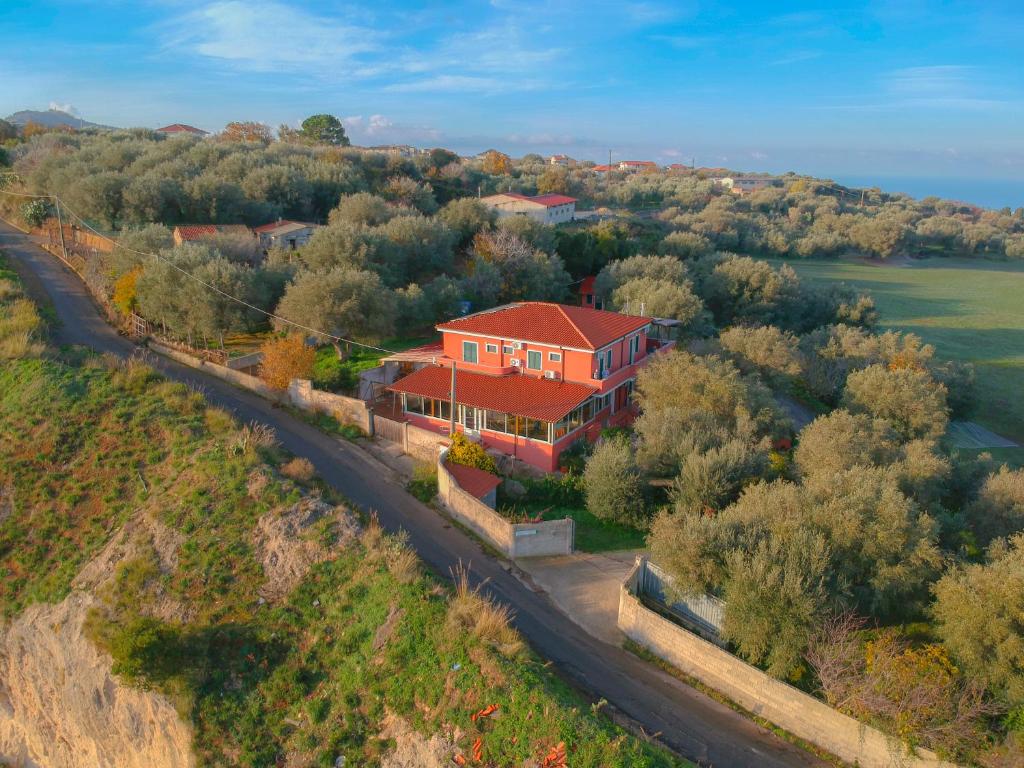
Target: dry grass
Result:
[21, 327]
[299, 469]
[403, 562]
[255, 435]
[469, 611]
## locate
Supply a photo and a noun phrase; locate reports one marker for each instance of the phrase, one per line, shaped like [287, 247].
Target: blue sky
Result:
[878, 88]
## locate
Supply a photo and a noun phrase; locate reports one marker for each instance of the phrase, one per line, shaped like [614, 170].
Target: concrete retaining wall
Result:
[347, 410]
[514, 540]
[793, 710]
[237, 378]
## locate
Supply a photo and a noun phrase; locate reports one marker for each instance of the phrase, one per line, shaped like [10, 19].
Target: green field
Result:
[969, 309]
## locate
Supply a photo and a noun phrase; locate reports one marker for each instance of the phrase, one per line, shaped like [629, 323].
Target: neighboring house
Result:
[188, 233]
[559, 160]
[601, 170]
[531, 378]
[588, 295]
[637, 165]
[678, 168]
[548, 209]
[182, 128]
[285, 234]
[744, 185]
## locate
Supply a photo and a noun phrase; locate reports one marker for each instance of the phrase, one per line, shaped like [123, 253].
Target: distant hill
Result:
[51, 118]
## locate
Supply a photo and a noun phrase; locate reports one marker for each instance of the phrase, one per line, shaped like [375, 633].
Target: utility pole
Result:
[609, 159]
[60, 226]
[452, 429]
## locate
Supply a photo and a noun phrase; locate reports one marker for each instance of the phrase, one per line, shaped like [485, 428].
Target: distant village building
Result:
[285, 234]
[744, 185]
[560, 160]
[547, 209]
[397, 150]
[629, 166]
[181, 128]
[190, 233]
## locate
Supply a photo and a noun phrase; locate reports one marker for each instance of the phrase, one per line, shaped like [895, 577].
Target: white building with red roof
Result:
[188, 233]
[285, 234]
[548, 209]
[531, 378]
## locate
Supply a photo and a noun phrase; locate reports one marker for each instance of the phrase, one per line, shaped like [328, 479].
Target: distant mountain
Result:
[51, 118]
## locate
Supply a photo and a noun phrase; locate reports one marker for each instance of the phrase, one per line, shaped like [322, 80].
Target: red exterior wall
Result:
[575, 365]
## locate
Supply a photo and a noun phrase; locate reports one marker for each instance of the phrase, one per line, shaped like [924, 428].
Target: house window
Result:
[555, 357]
[507, 349]
[469, 351]
[533, 360]
[491, 348]
[590, 298]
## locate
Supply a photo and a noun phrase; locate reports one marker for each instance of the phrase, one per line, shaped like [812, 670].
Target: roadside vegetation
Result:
[351, 649]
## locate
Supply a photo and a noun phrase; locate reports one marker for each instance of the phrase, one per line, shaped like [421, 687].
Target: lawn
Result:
[555, 498]
[336, 375]
[969, 310]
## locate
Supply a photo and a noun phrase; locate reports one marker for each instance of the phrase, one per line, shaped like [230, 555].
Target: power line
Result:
[202, 282]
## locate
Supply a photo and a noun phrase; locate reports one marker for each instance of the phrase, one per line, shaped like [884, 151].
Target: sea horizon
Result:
[987, 193]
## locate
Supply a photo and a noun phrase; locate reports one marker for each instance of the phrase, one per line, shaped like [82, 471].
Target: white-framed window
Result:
[469, 351]
[555, 357]
[534, 360]
[507, 349]
[491, 348]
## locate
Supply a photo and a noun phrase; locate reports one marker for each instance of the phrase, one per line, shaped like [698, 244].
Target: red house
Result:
[531, 378]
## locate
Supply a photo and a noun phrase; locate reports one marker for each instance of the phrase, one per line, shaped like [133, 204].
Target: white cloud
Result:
[267, 35]
[66, 108]
[462, 84]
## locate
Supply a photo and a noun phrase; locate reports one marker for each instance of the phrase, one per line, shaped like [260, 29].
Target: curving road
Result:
[685, 720]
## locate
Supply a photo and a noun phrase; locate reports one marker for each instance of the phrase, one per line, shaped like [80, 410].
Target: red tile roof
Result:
[521, 395]
[475, 482]
[639, 163]
[181, 128]
[277, 224]
[199, 231]
[603, 168]
[546, 323]
[550, 201]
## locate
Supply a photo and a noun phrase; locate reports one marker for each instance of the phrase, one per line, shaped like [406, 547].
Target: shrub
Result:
[424, 482]
[286, 359]
[469, 454]
[299, 469]
[124, 291]
[613, 484]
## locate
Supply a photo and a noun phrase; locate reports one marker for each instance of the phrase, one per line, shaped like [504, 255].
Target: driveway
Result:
[639, 694]
[585, 586]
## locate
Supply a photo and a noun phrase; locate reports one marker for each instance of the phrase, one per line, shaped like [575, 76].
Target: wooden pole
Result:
[60, 226]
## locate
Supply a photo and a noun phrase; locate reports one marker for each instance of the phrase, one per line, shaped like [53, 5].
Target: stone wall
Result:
[757, 692]
[238, 378]
[347, 410]
[553, 537]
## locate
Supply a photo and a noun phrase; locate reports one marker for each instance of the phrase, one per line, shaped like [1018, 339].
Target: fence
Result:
[514, 540]
[795, 711]
[701, 613]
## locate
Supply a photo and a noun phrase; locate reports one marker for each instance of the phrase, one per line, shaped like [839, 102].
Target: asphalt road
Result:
[685, 720]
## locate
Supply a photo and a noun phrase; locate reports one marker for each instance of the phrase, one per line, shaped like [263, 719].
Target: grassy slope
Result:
[88, 443]
[969, 309]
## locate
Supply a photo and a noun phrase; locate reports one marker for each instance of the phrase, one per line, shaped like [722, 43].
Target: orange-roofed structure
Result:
[530, 378]
[179, 128]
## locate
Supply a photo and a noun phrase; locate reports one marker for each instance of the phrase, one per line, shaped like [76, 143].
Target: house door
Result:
[467, 417]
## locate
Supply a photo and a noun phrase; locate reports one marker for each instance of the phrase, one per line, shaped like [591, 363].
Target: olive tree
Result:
[343, 302]
[908, 398]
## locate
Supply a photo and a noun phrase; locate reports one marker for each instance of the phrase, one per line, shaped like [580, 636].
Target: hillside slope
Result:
[169, 576]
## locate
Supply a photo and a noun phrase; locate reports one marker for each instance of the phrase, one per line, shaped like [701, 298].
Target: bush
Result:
[299, 469]
[469, 454]
[286, 359]
[424, 482]
[613, 484]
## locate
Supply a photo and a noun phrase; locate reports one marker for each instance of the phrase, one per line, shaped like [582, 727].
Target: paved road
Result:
[686, 720]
